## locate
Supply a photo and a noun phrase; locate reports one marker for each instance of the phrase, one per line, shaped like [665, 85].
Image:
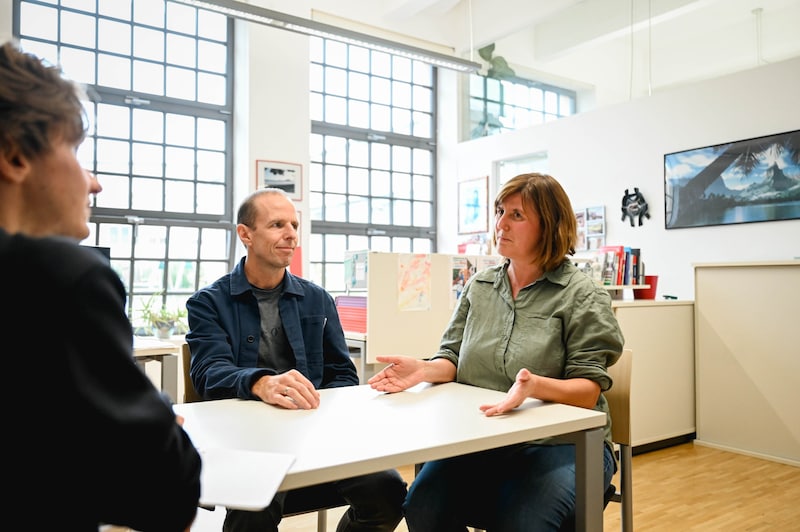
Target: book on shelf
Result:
[636, 257]
[626, 270]
[614, 264]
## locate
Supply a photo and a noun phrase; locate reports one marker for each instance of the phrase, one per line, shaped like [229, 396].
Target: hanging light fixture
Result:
[759, 57]
[287, 22]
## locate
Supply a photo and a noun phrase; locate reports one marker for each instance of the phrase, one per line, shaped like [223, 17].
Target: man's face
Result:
[273, 237]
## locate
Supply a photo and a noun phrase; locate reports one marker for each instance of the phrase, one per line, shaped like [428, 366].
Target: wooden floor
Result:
[683, 488]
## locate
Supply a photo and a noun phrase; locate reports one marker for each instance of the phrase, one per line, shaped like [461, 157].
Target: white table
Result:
[357, 430]
[165, 352]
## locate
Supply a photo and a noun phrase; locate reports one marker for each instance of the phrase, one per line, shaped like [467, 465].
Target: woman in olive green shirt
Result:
[532, 326]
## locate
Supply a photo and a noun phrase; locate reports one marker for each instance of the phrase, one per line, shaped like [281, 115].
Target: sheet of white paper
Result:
[242, 480]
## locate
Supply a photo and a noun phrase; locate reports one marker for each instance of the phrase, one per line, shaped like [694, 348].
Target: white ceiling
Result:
[610, 50]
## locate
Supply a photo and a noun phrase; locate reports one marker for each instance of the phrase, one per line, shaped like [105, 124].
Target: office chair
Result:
[298, 501]
[190, 395]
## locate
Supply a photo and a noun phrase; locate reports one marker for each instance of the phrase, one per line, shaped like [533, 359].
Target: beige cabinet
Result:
[748, 357]
[661, 335]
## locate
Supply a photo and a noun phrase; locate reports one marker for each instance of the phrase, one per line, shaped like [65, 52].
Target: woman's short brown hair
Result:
[542, 195]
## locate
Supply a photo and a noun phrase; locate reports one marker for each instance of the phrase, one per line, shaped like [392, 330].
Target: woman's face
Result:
[58, 193]
[517, 229]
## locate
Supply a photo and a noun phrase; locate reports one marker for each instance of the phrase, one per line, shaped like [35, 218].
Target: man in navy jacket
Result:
[261, 333]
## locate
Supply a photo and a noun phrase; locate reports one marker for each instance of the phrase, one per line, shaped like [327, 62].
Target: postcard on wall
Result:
[463, 268]
[591, 228]
[280, 174]
[355, 269]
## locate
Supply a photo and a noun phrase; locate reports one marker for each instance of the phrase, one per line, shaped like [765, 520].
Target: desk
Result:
[357, 344]
[146, 348]
[357, 430]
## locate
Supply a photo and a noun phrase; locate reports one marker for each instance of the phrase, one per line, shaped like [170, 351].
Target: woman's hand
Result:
[402, 373]
[519, 391]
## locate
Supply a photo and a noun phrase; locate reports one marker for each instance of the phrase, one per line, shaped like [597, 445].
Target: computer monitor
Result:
[103, 251]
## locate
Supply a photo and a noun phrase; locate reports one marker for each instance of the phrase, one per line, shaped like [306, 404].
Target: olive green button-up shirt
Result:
[561, 326]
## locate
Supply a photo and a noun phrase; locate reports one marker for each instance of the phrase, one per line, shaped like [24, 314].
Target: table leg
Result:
[169, 376]
[359, 346]
[589, 480]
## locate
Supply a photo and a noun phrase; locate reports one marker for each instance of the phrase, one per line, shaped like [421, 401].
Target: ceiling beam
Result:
[591, 23]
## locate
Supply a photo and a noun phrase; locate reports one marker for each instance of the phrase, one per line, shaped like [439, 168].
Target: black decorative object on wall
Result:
[634, 205]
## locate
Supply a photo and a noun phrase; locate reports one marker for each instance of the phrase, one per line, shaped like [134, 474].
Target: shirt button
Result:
[251, 339]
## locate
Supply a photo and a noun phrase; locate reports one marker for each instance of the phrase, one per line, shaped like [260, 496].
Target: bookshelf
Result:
[615, 268]
[617, 291]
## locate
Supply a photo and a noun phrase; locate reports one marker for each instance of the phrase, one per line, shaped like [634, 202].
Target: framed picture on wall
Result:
[280, 174]
[753, 180]
[473, 207]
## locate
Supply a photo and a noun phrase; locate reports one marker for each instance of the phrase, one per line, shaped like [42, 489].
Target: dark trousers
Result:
[375, 500]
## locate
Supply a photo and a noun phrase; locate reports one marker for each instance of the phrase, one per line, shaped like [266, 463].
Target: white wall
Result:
[6, 8]
[598, 154]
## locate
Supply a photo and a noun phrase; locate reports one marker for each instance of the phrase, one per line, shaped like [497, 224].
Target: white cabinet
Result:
[661, 335]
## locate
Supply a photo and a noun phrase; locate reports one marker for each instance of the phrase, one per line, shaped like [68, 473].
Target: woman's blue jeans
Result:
[520, 488]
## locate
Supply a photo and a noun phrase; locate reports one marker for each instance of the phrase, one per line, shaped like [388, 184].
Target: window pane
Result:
[335, 110]
[114, 72]
[39, 21]
[77, 29]
[147, 194]
[148, 43]
[148, 77]
[181, 50]
[357, 183]
[115, 192]
[79, 64]
[148, 160]
[114, 37]
[179, 197]
[120, 49]
[180, 83]
[113, 156]
[210, 199]
[212, 25]
[214, 244]
[183, 242]
[113, 121]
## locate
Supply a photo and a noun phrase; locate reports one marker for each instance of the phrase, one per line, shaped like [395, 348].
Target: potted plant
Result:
[162, 320]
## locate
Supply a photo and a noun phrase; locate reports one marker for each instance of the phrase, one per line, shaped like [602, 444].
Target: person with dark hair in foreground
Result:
[92, 440]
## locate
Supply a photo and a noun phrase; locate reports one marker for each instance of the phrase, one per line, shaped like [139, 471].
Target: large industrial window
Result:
[373, 157]
[158, 75]
[497, 105]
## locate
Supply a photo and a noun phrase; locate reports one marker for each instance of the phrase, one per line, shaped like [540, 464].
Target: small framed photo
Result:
[473, 206]
[280, 174]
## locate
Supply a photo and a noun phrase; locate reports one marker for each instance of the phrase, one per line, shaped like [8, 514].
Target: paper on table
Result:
[242, 480]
